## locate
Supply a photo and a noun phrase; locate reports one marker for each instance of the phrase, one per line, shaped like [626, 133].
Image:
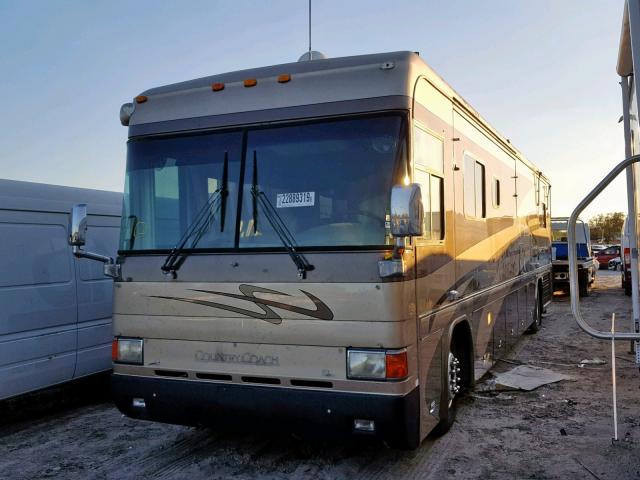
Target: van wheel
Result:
[627, 289]
[452, 388]
[536, 314]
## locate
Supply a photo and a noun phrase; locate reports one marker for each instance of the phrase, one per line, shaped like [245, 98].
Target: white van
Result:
[55, 310]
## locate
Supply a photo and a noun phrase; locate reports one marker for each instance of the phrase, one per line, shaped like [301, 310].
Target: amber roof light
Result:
[284, 78]
[216, 87]
[141, 99]
[250, 82]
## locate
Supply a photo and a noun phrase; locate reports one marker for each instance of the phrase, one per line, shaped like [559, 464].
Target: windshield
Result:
[169, 180]
[329, 183]
[559, 231]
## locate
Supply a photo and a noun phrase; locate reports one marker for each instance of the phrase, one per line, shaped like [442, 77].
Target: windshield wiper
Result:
[133, 224]
[270, 213]
[217, 201]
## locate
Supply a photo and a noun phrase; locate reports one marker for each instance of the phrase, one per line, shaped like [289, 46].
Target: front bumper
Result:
[189, 402]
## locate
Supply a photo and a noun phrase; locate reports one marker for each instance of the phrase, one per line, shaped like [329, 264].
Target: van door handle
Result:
[453, 295]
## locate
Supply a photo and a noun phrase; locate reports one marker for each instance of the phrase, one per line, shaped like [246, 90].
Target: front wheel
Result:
[452, 389]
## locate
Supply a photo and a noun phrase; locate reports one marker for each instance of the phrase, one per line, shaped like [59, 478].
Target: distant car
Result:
[609, 253]
[615, 264]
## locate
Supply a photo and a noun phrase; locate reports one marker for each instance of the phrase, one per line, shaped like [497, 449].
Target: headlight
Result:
[366, 364]
[127, 350]
[377, 364]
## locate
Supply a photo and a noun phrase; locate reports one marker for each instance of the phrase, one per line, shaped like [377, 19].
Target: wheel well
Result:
[462, 344]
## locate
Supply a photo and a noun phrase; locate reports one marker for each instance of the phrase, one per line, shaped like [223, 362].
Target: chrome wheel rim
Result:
[453, 377]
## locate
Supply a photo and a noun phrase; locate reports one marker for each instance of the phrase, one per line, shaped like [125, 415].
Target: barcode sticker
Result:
[298, 199]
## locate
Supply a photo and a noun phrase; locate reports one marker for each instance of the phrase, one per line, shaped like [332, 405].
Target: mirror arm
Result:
[399, 246]
[92, 256]
[111, 268]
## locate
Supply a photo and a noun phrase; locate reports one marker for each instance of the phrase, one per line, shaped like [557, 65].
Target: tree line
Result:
[606, 227]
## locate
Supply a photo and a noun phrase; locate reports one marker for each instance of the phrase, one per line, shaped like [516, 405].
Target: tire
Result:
[627, 289]
[583, 285]
[536, 313]
[451, 389]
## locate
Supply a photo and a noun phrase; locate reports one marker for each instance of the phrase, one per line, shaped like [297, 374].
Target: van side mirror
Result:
[78, 225]
[407, 212]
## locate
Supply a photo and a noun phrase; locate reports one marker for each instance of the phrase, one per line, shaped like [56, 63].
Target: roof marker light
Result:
[284, 78]
[141, 99]
[216, 87]
[250, 82]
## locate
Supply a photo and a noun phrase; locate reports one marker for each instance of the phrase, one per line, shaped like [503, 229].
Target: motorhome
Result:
[343, 244]
[55, 321]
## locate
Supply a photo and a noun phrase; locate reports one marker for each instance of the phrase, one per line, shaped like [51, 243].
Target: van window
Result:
[474, 188]
[33, 255]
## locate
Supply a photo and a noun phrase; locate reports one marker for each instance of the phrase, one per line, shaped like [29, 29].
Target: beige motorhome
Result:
[340, 244]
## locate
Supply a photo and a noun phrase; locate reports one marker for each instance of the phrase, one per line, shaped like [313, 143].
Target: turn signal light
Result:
[396, 365]
[141, 99]
[216, 87]
[250, 82]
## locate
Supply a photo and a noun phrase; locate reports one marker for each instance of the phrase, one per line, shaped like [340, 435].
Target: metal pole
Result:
[573, 256]
[613, 376]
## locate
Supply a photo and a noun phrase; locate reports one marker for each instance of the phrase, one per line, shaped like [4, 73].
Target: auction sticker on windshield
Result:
[298, 199]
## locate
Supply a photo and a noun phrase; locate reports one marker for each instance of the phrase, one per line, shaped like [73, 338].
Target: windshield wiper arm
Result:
[200, 225]
[274, 219]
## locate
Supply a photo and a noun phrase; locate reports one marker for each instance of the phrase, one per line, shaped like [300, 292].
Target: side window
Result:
[474, 188]
[432, 198]
[495, 193]
[429, 173]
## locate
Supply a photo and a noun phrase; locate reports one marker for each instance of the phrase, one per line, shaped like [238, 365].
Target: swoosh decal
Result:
[321, 312]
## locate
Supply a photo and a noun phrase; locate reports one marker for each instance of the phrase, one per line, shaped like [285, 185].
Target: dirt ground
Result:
[563, 430]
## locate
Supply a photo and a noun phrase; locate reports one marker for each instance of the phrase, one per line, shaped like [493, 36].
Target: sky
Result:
[541, 72]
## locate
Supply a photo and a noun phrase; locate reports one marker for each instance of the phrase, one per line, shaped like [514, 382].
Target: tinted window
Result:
[168, 183]
[496, 193]
[328, 182]
[474, 188]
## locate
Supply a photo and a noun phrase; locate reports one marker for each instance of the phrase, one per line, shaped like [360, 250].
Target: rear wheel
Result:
[536, 313]
[583, 284]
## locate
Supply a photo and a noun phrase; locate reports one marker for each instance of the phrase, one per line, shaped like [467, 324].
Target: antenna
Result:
[310, 55]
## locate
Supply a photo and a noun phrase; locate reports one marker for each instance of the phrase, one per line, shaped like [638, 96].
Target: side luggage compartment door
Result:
[95, 297]
[38, 311]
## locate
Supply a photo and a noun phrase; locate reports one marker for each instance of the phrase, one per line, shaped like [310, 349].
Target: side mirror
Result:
[407, 212]
[78, 237]
[78, 225]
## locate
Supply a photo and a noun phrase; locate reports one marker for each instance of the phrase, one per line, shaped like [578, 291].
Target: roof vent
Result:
[312, 55]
